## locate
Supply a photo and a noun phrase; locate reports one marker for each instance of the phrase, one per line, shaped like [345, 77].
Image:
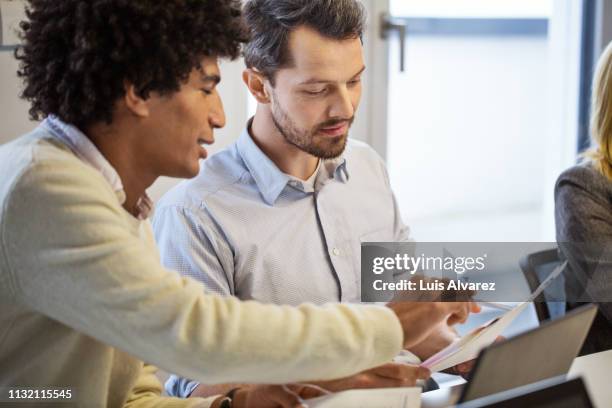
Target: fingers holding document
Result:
[419, 319]
[430, 289]
[463, 311]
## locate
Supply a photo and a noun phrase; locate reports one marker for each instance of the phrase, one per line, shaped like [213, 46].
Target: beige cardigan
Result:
[84, 300]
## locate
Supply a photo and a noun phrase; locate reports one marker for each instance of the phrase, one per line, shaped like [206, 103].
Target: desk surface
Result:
[595, 370]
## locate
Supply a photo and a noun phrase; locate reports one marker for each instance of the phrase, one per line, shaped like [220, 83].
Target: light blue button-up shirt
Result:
[245, 228]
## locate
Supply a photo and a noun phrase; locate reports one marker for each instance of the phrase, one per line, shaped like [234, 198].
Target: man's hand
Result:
[441, 336]
[438, 293]
[269, 396]
[385, 376]
[275, 396]
[464, 369]
[266, 396]
[419, 319]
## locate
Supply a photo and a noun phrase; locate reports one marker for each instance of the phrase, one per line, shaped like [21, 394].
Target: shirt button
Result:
[336, 252]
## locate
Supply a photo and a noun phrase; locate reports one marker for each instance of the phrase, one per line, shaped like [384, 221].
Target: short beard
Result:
[309, 141]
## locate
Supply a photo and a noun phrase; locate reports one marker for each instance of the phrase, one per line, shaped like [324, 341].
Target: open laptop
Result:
[541, 353]
[557, 392]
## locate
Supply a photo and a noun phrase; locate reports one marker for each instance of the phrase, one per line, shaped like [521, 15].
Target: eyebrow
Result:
[322, 81]
[211, 78]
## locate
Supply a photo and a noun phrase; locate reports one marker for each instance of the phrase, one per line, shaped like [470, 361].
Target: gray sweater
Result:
[583, 215]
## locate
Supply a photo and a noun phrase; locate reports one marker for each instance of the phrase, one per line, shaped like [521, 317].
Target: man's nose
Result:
[343, 105]
[216, 115]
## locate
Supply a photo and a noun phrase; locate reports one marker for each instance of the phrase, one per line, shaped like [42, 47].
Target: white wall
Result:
[13, 111]
[500, 113]
[564, 88]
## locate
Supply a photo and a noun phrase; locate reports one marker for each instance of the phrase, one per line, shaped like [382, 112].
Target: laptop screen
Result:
[539, 354]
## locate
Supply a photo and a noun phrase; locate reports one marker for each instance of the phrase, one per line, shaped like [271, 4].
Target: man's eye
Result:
[354, 82]
[207, 91]
[315, 92]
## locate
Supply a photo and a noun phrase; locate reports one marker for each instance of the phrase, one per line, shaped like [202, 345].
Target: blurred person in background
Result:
[583, 213]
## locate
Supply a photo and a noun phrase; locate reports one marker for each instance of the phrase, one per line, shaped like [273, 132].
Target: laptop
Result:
[555, 392]
[545, 352]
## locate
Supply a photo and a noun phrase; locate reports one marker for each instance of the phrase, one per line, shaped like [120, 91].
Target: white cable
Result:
[300, 399]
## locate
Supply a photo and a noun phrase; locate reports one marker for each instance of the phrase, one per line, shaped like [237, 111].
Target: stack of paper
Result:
[370, 398]
[468, 347]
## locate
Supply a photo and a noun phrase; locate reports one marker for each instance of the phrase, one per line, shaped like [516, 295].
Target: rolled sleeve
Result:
[180, 387]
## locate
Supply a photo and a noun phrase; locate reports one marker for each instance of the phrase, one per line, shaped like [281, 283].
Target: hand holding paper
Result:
[468, 347]
[419, 319]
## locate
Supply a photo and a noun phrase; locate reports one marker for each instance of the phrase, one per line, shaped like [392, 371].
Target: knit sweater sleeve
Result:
[71, 256]
[147, 394]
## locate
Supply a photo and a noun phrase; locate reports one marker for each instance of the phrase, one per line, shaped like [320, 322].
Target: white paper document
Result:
[408, 397]
[467, 347]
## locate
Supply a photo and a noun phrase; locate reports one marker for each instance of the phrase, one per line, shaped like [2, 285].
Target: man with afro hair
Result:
[126, 91]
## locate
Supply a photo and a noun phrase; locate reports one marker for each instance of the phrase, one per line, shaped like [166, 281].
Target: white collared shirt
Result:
[84, 148]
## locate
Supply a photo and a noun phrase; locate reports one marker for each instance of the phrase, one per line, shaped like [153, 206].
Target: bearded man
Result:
[279, 216]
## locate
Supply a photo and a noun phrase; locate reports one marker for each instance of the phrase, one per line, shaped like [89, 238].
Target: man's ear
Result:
[256, 82]
[134, 102]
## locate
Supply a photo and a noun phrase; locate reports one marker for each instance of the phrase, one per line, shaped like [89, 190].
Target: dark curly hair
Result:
[76, 55]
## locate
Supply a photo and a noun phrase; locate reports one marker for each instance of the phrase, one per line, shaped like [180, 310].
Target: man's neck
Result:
[115, 146]
[287, 157]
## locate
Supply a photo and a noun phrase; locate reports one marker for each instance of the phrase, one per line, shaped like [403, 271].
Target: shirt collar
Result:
[268, 177]
[270, 180]
[336, 169]
[80, 144]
